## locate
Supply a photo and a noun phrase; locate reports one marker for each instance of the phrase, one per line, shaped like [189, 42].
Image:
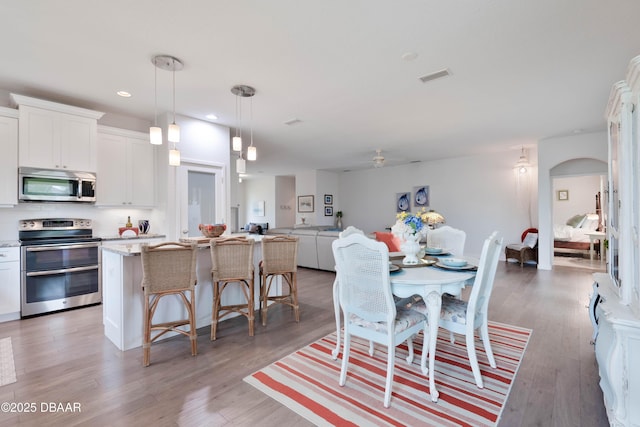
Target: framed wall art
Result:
[328, 211]
[563, 195]
[421, 196]
[305, 203]
[328, 199]
[403, 202]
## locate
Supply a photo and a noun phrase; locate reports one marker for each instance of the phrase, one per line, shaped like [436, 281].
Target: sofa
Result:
[314, 245]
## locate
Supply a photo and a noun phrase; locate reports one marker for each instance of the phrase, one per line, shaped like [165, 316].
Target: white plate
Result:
[393, 268]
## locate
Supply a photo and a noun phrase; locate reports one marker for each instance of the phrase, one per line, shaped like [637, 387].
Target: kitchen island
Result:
[123, 299]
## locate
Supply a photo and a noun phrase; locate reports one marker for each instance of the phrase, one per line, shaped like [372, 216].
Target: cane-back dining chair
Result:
[232, 264]
[462, 317]
[362, 267]
[168, 269]
[449, 238]
[279, 259]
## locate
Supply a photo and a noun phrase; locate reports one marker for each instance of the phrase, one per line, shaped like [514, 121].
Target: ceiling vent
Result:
[292, 122]
[436, 75]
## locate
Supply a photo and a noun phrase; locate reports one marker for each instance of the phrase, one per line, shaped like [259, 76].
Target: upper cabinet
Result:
[126, 168]
[56, 136]
[9, 158]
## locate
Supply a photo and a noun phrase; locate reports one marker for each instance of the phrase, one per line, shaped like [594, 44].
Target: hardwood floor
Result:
[64, 357]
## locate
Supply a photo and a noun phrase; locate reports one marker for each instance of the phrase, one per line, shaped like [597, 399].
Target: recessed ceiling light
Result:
[124, 94]
[409, 56]
[211, 117]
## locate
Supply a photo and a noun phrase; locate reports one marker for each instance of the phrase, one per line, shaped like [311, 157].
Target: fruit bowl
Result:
[212, 230]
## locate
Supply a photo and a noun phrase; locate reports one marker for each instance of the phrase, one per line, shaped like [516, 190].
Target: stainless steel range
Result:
[60, 265]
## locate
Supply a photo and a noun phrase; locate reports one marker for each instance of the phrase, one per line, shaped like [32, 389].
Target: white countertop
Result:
[9, 243]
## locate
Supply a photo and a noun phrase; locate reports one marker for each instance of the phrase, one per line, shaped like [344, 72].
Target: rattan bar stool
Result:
[168, 269]
[279, 258]
[232, 262]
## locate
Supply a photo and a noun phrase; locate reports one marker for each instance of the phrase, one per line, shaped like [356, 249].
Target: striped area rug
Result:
[307, 383]
[7, 368]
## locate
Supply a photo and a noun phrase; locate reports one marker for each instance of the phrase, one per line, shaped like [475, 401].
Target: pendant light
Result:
[170, 63]
[522, 165]
[155, 132]
[237, 140]
[241, 165]
[252, 154]
[241, 91]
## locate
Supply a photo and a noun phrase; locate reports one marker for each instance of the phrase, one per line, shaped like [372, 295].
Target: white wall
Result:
[285, 201]
[256, 190]
[478, 194]
[552, 152]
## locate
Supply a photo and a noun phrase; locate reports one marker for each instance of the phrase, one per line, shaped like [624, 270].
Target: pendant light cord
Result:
[155, 95]
[174, 90]
[251, 118]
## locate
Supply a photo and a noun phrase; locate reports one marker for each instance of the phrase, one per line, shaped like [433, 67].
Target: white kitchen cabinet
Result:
[9, 283]
[126, 168]
[56, 136]
[9, 158]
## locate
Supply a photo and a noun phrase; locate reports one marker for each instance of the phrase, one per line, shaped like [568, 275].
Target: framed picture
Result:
[421, 196]
[563, 195]
[328, 211]
[403, 202]
[305, 203]
[258, 208]
[328, 199]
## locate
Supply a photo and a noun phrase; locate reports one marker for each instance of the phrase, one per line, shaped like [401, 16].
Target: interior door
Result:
[201, 197]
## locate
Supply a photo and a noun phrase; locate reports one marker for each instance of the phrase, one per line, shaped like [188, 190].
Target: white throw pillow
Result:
[531, 239]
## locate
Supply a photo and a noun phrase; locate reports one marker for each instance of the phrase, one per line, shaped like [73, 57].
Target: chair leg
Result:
[484, 332]
[410, 346]
[192, 324]
[473, 359]
[346, 350]
[391, 356]
[146, 341]
[215, 312]
[264, 293]
[250, 308]
[294, 296]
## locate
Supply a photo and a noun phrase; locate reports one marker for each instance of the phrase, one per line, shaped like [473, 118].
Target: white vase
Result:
[410, 249]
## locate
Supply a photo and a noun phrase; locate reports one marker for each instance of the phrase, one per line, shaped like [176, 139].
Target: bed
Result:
[573, 234]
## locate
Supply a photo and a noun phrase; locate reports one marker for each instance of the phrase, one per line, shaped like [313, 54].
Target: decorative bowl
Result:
[453, 262]
[212, 230]
[433, 251]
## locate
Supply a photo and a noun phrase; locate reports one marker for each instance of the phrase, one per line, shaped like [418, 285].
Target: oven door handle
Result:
[62, 271]
[57, 248]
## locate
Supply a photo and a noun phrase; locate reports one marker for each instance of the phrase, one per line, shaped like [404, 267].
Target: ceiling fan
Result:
[378, 159]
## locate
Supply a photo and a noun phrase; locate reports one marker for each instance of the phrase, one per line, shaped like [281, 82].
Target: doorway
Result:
[200, 198]
[574, 197]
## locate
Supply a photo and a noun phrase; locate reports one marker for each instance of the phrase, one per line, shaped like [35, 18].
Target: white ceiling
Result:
[520, 70]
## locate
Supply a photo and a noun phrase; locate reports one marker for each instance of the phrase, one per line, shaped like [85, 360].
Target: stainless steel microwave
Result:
[54, 185]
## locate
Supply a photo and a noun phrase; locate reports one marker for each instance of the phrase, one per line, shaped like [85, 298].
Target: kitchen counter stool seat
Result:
[232, 262]
[279, 258]
[168, 269]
